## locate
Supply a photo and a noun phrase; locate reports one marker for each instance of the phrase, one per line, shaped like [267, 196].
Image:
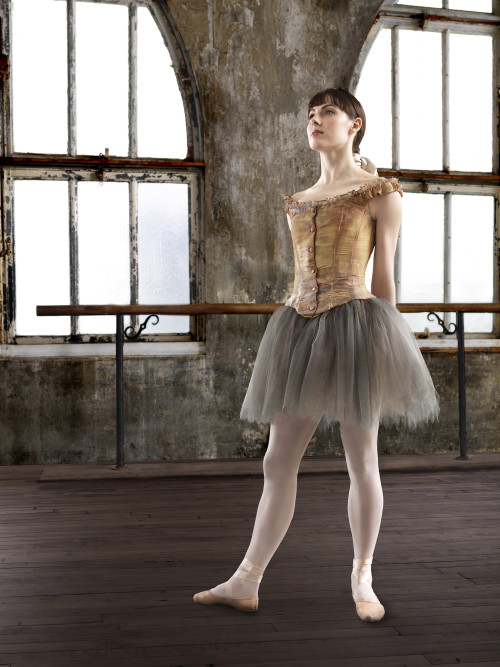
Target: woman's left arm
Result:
[387, 210]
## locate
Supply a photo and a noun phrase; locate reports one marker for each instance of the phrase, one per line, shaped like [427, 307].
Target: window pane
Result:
[471, 61]
[103, 223]
[467, 5]
[471, 5]
[374, 93]
[102, 78]
[423, 3]
[420, 106]
[41, 254]
[164, 250]
[39, 70]
[422, 256]
[161, 122]
[472, 256]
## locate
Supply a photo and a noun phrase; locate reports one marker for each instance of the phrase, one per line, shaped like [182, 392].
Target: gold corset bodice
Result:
[332, 243]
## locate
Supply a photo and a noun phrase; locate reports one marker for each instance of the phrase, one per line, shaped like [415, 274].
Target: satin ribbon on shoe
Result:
[361, 574]
[246, 570]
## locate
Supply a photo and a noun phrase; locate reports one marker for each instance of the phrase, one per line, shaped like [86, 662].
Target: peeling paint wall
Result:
[256, 63]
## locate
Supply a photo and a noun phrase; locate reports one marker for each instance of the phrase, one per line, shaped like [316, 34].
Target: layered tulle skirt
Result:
[354, 363]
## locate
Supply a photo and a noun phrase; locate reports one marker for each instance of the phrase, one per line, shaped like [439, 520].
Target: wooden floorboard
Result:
[101, 573]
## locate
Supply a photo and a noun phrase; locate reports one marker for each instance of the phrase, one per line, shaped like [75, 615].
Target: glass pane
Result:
[164, 250]
[420, 105]
[103, 224]
[472, 255]
[41, 255]
[102, 78]
[369, 271]
[471, 5]
[374, 93]
[39, 70]
[423, 3]
[471, 61]
[422, 255]
[161, 122]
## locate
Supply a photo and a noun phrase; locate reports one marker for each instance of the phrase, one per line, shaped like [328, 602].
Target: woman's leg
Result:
[288, 439]
[366, 499]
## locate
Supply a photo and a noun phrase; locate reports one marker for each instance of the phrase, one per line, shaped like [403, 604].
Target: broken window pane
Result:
[164, 251]
[41, 254]
[39, 70]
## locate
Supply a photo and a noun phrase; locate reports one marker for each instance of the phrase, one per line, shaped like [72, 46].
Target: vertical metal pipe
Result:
[120, 449]
[461, 386]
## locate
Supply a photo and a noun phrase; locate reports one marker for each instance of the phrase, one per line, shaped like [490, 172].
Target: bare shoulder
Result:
[300, 195]
[387, 202]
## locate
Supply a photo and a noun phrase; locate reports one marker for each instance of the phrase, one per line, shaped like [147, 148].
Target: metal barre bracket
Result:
[135, 336]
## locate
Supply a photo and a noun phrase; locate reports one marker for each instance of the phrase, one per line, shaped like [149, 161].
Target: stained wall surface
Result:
[256, 64]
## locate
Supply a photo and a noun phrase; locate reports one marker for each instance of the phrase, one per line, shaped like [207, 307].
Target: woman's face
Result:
[330, 127]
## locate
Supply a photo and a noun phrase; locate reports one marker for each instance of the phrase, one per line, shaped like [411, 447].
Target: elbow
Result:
[383, 286]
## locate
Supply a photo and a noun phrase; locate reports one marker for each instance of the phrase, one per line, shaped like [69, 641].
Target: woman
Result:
[334, 351]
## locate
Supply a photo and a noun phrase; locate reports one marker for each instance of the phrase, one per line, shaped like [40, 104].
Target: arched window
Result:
[101, 167]
[426, 79]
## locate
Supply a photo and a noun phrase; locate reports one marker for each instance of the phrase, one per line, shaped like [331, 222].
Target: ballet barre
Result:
[256, 308]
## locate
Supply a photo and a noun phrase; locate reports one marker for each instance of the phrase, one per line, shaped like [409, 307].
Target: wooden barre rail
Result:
[119, 310]
[241, 308]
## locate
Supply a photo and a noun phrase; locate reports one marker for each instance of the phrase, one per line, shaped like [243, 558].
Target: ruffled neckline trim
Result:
[367, 191]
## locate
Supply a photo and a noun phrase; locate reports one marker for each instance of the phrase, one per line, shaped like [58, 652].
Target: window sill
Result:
[163, 349]
[450, 344]
[195, 349]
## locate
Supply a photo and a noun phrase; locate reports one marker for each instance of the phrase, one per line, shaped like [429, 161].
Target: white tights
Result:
[288, 440]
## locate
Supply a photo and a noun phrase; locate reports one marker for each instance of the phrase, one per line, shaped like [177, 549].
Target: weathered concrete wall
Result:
[256, 63]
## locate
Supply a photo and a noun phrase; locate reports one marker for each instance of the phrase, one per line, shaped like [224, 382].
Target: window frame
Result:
[134, 178]
[447, 182]
[73, 168]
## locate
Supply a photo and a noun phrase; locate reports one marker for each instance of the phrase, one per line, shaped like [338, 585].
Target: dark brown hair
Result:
[345, 101]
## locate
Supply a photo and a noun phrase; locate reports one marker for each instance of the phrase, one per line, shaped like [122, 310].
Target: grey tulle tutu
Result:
[355, 362]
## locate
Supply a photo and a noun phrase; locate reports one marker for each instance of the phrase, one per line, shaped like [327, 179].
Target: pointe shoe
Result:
[247, 570]
[367, 611]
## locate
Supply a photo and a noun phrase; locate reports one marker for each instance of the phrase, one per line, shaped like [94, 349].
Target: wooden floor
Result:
[102, 573]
